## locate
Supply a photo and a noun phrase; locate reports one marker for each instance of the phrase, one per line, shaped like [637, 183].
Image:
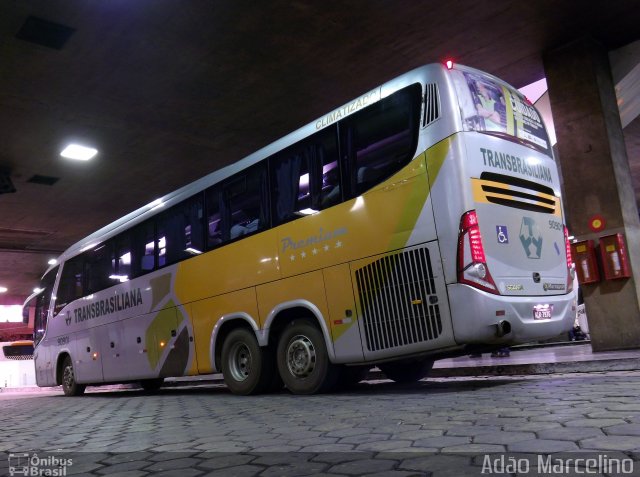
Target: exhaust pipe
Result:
[503, 328]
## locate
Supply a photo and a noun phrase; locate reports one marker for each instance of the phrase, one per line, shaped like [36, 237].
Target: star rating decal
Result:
[316, 251]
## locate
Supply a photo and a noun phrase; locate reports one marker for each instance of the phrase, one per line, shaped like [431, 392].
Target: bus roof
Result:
[149, 210]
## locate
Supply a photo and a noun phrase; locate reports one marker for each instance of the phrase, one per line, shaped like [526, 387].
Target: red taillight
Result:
[570, 270]
[567, 247]
[449, 64]
[469, 224]
[472, 262]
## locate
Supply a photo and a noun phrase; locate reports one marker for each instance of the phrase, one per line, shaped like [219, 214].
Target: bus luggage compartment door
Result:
[88, 355]
[401, 302]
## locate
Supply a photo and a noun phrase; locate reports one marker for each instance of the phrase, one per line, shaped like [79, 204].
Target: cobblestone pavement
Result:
[440, 427]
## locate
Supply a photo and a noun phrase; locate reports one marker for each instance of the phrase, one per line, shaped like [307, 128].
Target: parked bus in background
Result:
[16, 364]
[421, 220]
[16, 350]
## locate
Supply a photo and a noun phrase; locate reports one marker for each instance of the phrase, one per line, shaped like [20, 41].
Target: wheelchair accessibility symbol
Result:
[502, 234]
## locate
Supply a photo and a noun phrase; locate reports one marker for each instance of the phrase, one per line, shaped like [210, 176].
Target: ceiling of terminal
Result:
[168, 91]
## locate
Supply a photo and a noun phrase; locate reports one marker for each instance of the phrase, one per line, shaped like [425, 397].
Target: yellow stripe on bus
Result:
[479, 195]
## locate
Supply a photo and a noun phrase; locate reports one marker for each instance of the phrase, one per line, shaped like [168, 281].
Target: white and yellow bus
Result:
[421, 220]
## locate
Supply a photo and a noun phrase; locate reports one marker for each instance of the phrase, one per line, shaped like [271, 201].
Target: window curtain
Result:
[287, 180]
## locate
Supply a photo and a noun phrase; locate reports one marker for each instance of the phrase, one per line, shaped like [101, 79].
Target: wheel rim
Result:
[67, 378]
[240, 362]
[301, 356]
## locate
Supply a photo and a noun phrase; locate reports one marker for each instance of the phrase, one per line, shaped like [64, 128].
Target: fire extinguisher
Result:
[615, 262]
[585, 269]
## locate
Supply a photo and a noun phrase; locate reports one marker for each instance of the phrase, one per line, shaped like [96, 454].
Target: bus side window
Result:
[327, 191]
[291, 184]
[123, 257]
[381, 139]
[214, 217]
[306, 177]
[179, 232]
[100, 268]
[143, 249]
[71, 283]
[331, 193]
[193, 230]
[244, 202]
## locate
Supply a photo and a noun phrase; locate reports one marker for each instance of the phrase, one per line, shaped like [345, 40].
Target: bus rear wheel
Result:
[407, 370]
[247, 368]
[303, 360]
[69, 384]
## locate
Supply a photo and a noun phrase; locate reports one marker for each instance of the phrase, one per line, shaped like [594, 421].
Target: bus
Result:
[16, 364]
[16, 350]
[421, 220]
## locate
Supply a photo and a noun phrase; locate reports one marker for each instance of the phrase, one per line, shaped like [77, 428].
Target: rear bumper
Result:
[476, 314]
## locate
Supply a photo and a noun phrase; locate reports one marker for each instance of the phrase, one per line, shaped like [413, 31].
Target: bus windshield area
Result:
[40, 304]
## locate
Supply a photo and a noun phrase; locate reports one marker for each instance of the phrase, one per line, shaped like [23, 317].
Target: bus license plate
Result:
[542, 312]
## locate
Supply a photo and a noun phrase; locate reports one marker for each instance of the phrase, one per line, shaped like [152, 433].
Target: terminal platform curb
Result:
[628, 364]
[571, 357]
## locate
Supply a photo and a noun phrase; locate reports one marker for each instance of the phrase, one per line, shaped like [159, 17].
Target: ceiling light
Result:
[3, 289]
[78, 152]
[52, 261]
[37, 290]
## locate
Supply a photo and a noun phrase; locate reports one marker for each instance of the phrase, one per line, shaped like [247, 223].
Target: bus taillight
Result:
[472, 263]
[567, 247]
[570, 271]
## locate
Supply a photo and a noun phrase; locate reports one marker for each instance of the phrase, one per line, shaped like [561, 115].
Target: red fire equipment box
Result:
[613, 252]
[584, 256]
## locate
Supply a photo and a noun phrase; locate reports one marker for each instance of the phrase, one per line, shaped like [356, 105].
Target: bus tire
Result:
[406, 370]
[69, 384]
[151, 385]
[303, 361]
[247, 368]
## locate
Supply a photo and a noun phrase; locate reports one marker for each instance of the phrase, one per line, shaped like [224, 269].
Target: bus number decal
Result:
[555, 225]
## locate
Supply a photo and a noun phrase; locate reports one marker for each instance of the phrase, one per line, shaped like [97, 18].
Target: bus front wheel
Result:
[303, 360]
[247, 368]
[69, 384]
[407, 370]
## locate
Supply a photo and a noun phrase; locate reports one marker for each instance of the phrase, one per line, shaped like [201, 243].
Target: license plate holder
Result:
[543, 312]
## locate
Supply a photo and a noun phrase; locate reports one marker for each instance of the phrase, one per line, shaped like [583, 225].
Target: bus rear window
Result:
[493, 108]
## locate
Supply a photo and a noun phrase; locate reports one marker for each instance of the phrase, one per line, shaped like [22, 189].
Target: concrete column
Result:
[597, 181]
